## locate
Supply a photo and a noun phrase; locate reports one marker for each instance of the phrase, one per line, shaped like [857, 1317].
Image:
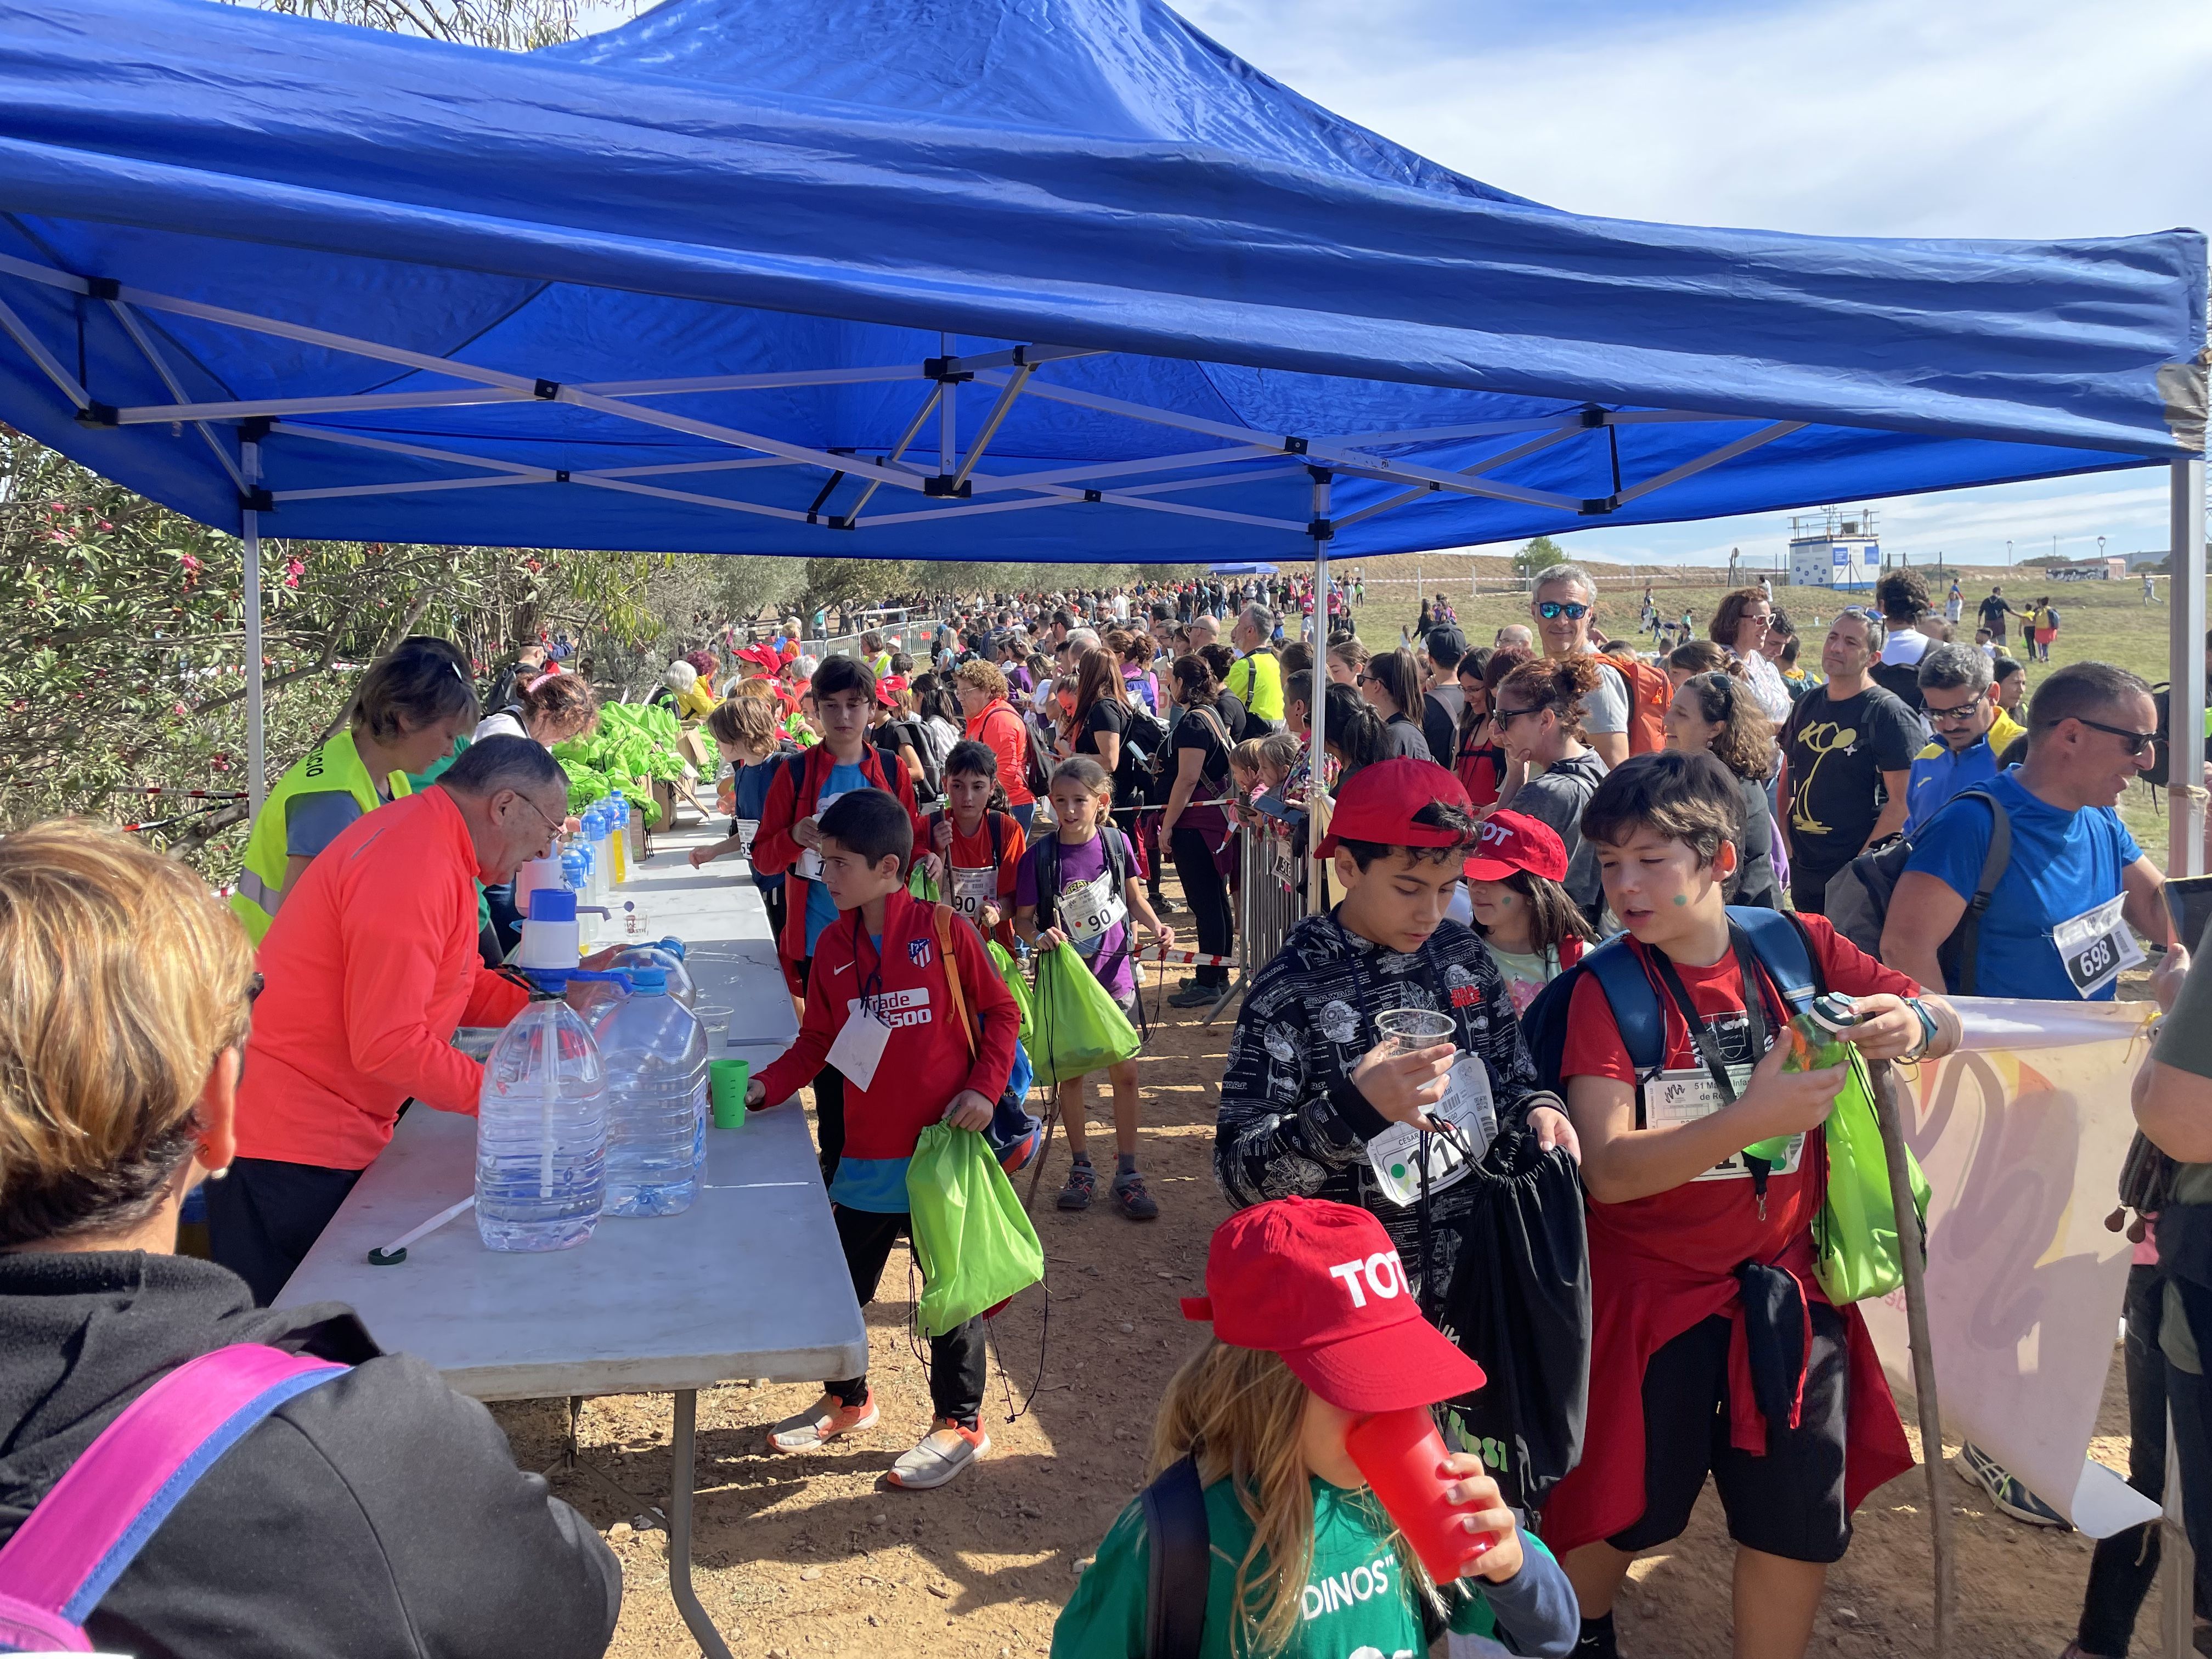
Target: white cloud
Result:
[2004, 118]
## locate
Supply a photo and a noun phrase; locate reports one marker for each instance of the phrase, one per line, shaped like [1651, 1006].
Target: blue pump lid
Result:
[552, 904]
[648, 982]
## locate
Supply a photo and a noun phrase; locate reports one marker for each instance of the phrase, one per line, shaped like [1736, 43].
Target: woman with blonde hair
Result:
[378, 1511]
[1250, 1453]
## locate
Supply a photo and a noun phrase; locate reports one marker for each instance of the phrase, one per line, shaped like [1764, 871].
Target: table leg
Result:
[686, 1450]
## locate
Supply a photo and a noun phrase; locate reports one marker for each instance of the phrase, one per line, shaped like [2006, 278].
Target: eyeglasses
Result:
[1504, 717]
[535, 807]
[2137, 742]
[1572, 610]
[1964, 711]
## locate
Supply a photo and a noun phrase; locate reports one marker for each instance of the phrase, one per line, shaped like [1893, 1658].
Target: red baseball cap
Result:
[1379, 803]
[1321, 1285]
[1513, 840]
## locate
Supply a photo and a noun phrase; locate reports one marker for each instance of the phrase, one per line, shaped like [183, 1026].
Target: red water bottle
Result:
[1399, 1453]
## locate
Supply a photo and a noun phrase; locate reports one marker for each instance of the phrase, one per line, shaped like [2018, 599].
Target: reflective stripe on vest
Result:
[328, 766]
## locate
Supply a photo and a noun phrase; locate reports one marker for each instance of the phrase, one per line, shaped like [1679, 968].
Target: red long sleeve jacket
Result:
[926, 1060]
[369, 967]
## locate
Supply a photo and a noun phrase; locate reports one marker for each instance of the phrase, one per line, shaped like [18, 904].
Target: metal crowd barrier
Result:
[1271, 894]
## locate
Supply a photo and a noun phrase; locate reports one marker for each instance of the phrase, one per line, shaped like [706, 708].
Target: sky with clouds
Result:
[2016, 118]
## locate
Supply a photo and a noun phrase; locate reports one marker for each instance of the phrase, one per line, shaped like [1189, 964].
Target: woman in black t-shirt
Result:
[1196, 826]
[1100, 720]
[1391, 684]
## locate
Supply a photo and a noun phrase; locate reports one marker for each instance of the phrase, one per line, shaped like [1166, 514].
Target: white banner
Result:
[2022, 1134]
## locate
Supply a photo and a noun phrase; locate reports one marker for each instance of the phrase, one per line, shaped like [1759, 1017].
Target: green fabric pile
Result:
[632, 748]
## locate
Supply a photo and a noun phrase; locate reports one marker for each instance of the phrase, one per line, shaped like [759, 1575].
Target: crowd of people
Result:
[1607, 878]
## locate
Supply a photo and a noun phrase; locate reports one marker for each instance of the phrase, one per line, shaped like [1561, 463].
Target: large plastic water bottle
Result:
[541, 1134]
[656, 1059]
[576, 877]
[667, 956]
[608, 878]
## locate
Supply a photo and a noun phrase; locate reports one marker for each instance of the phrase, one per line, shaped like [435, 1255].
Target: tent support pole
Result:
[1317, 708]
[1888, 1091]
[256, 759]
[2184, 852]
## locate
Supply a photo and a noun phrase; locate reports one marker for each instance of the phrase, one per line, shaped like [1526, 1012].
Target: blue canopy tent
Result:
[1058, 280]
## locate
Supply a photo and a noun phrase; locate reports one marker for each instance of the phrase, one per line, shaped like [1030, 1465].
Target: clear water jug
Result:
[656, 1054]
[541, 1134]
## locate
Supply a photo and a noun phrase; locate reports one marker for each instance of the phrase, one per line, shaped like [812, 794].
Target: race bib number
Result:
[1088, 910]
[809, 867]
[747, 828]
[1685, 1096]
[2097, 946]
[973, 888]
[1398, 1153]
[859, 1048]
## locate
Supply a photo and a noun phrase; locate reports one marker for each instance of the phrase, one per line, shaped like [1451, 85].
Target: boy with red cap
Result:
[1309, 1083]
[1713, 1349]
[1281, 1552]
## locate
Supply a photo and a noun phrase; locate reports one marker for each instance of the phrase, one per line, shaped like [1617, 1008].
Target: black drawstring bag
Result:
[1519, 1306]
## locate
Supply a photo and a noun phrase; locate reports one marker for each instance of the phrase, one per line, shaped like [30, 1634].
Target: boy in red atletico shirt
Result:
[789, 840]
[879, 998]
[1704, 1302]
[973, 848]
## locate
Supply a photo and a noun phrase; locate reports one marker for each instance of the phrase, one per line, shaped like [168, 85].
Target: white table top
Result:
[749, 1282]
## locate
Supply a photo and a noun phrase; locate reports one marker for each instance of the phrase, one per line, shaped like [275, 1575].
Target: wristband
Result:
[1927, 1028]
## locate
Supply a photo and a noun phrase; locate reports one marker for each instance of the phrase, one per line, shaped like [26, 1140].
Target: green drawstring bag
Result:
[1855, 1234]
[1011, 972]
[922, 885]
[1079, 1027]
[974, 1247]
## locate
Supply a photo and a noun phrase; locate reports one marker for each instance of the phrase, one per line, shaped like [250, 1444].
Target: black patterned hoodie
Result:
[1291, 1121]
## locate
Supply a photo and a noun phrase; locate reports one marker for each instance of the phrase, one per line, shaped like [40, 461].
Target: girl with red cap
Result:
[1527, 922]
[1315, 1327]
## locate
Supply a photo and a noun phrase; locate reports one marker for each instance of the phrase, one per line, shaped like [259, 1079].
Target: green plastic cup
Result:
[726, 1091]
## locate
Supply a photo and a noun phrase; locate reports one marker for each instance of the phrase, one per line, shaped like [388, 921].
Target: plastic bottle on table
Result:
[621, 803]
[606, 850]
[541, 1134]
[576, 877]
[656, 1059]
[666, 954]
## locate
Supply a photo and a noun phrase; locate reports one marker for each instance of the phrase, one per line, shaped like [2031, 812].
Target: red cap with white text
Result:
[1513, 840]
[1321, 1285]
[1379, 803]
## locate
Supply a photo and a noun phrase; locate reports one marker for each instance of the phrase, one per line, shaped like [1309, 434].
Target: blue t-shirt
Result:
[2063, 863]
[821, 909]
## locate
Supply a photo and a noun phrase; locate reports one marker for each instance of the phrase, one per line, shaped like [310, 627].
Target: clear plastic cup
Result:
[1405, 1031]
[715, 1020]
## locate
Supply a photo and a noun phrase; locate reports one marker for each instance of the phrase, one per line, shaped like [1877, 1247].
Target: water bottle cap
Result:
[674, 947]
[1833, 1013]
[648, 981]
[552, 904]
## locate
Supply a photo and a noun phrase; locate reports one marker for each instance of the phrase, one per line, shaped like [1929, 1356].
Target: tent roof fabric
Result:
[1044, 279]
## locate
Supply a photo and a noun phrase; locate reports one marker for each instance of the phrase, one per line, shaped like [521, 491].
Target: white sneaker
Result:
[939, 1456]
[826, 1419]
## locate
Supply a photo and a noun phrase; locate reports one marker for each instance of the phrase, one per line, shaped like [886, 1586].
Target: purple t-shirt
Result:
[1082, 864]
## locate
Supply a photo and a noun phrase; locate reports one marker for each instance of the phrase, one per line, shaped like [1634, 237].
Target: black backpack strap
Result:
[1180, 1546]
[1993, 862]
[998, 823]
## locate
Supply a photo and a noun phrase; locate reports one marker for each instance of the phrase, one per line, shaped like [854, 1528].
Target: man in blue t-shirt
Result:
[2058, 923]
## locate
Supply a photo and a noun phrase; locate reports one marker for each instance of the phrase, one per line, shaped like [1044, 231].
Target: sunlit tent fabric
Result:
[1046, 279]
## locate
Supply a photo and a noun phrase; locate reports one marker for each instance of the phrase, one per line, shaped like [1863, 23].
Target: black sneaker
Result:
[1195, 995]
[1082, 1186]
[1131, 1198]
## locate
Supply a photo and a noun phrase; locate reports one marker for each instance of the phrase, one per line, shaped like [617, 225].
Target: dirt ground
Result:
[812, 1555]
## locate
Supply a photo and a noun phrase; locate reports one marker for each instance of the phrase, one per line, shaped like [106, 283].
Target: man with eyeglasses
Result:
[1959, 699]
[1564, 607]
[2062, 918]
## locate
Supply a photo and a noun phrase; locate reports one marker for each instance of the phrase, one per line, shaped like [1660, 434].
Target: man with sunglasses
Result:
[2062, 918]
[1564, 608]
[1959, 699]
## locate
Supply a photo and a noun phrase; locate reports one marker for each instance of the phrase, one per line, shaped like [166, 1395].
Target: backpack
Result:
[1048, 858]
[1859, 894]
[1778, 938]
[1902, 681]
[84, 1534]
[1650, 691]
[1015, 1137]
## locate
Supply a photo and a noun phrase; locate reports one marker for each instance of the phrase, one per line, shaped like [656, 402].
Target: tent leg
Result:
[2184, 852]
[1317, 714]
[257, 759]
[1886, 1089]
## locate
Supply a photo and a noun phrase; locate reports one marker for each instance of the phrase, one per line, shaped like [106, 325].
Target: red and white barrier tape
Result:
[1197, 957]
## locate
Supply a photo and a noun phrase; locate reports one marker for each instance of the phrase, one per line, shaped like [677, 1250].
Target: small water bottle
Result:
[1815, 1037]
[606, 850]
[667, 956]
[620, 805]
[656, 1059]
[541, 1134]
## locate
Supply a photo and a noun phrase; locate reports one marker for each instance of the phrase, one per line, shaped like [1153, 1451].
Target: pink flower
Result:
[57, 536]
[104, 525]
[188, 561]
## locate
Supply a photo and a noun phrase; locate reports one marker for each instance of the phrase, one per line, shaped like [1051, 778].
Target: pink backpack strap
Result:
[82, 1535]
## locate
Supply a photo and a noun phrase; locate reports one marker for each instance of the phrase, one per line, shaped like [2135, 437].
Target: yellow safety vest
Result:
[331, 766]
[1256, 681]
